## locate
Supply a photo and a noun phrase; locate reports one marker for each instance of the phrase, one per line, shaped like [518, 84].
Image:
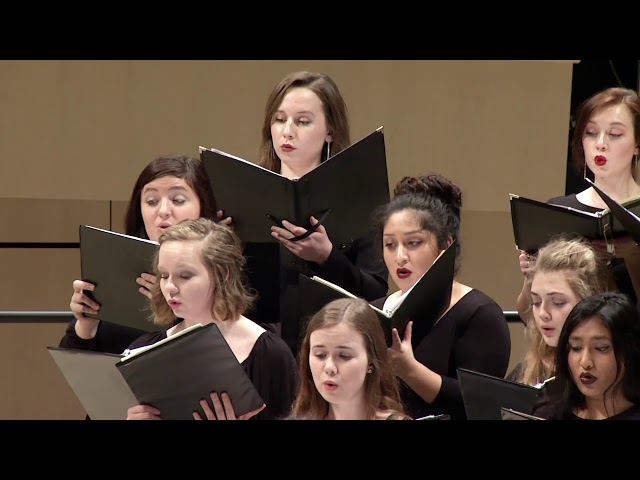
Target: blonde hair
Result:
[586, 273]
[221, 253]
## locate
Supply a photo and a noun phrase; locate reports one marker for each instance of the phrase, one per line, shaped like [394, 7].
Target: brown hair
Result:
[189, 169]
[333, 105]
[599, 101]
[381, 385]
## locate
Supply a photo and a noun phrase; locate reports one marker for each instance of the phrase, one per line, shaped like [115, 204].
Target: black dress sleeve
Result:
[110, 338]
[273, 370]
[484, 346]
[147, 338]
[358, 268]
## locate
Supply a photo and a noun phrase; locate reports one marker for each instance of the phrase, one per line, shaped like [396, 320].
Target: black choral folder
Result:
[112, 261]
[174, 374]
[424, 303]
[341, 192]
[485, 395]
[536, 223]
[628, 220]
[95, 381]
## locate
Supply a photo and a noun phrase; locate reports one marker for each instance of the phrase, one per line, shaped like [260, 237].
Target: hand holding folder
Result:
[629, 221]
[172, 375]
[341, 192]
[535, 223]
[112, 261]
[278, 222]
[424, 303]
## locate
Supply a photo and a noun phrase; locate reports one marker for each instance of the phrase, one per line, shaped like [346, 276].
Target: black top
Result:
[110, 338]
[618, 267]
[544, 410]
[270, 366]
[573, 202]
[632, 413]
[473, 334]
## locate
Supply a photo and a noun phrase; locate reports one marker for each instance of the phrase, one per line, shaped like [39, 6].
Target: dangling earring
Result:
[584, 176]
[328, 148]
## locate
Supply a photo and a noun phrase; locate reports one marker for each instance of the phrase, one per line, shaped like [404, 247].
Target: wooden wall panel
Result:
[32, 386]
[49, 220]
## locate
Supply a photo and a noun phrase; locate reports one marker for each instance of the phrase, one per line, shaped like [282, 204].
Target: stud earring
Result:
[370, 370]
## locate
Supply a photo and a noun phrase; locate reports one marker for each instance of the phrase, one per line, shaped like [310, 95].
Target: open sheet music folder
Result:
[112, 261]
[96, 382]
[485, 395]
[342, 191]
[629, 221]
[424, 303]
[536, 223]
[172, 375]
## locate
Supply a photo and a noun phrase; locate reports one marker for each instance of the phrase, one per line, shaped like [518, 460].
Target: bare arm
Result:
[523, 302]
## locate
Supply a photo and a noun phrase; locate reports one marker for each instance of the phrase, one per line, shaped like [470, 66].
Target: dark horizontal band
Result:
[39, 245]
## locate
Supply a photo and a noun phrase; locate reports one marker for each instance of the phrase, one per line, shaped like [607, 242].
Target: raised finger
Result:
[320, 229]
[144, 283]
[144, 291]
[207, 410]
[79, 286]
[228, 407]
[408, 332]
[281, 233]
[293, 228]
[217, 406]
[395, 338]
[151, 279]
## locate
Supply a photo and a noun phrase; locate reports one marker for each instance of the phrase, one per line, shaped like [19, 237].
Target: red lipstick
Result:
[600, 160]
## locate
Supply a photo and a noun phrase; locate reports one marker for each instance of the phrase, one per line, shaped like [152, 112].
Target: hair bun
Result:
[435, 185]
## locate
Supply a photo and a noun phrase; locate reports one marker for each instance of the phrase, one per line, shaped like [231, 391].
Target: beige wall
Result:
[82, 130]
